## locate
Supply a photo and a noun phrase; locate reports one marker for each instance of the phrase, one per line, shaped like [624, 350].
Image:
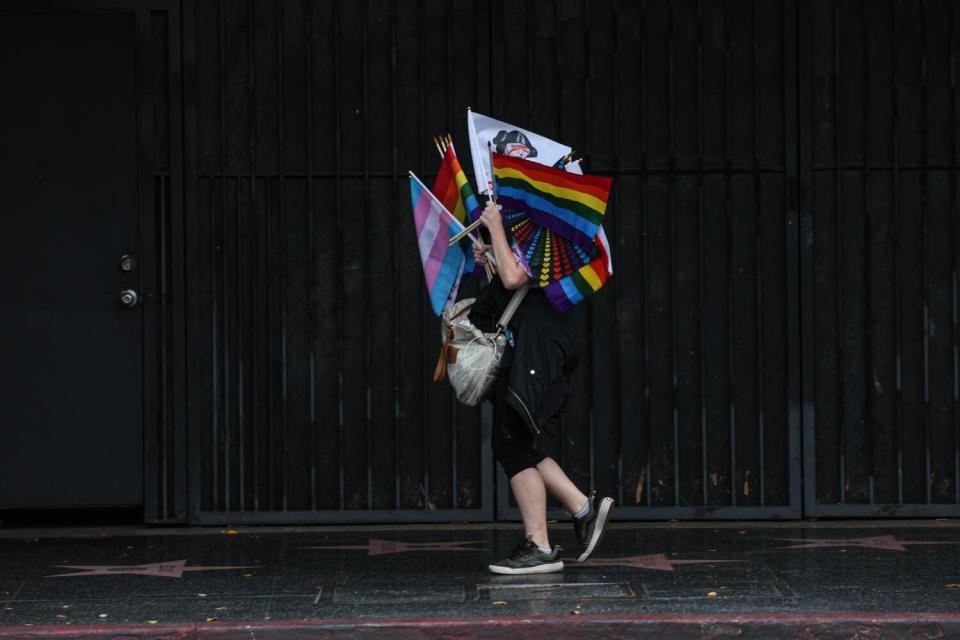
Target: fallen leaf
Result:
[711, 594]
[498, 603]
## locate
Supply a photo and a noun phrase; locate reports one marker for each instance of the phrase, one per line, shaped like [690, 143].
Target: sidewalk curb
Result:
[740, 625]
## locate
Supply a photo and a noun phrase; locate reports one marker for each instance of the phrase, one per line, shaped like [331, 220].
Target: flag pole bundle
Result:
[553, 210]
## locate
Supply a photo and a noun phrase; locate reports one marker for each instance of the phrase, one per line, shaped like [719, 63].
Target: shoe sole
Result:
[553, 567]
[603, 514]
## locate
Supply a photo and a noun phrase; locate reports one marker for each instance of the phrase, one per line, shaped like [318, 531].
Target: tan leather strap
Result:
[440, 372]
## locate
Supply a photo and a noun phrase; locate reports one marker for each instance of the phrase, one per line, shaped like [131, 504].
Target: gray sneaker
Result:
[528, 558]
[591, 527]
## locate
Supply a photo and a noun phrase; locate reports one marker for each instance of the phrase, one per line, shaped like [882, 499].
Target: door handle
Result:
[129, 298]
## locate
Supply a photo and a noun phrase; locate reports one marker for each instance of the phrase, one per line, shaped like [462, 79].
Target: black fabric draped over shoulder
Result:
[545, 355]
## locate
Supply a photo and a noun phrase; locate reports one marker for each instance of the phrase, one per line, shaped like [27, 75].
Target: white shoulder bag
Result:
[470, 358]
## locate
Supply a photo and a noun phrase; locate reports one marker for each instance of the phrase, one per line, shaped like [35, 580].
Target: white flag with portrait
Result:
[510, 141]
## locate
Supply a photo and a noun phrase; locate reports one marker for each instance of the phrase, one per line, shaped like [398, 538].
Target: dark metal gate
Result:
[784, 230]
[879, 162]
[692, 372]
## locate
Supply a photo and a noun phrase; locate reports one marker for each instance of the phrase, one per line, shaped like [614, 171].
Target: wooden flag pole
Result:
[466, 231]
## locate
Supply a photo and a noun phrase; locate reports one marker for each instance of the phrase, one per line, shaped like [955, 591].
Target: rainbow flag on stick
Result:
[569, 204]
[453, 190]
[443, 265]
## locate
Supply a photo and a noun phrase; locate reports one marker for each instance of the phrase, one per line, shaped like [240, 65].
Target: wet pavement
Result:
[176, 576]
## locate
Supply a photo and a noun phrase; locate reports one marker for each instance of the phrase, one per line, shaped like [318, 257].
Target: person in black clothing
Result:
[530, 392]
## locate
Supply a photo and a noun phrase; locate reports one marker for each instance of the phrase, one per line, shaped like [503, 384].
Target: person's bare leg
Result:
[560, 486]
[531, 497]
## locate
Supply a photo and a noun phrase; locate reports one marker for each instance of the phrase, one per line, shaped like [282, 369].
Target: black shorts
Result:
[514, 447]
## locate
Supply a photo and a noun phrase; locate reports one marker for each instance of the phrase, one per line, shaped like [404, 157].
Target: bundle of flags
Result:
[553, 210]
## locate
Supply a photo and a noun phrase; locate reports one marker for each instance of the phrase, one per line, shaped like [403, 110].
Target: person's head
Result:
[514, 143]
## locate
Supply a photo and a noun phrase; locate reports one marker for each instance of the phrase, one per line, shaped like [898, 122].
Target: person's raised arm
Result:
[511, 274]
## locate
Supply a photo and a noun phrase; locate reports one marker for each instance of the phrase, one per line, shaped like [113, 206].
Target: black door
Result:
[71, 401]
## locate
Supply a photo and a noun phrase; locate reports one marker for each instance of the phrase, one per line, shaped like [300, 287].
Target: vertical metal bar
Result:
[704, 480]
[177, 81]
[838, 229]
[616, 222]
[421, 31]
[868, 270]
[796, 144]
[241, 259]
[367, 224]
[898, 325]
[672, 212]
[803, 303]
[255, 338]
[308, 48]
[283, 250]
[758, 283]
[160, 184]
[454, 468]
[644, 203]
[956, 255]
[394, 86]
[531, 38]
[223, 260]
[338, 172]
[150, 216]
[731, 368]
[238, 310]
[585, 24]
[923, 264]
[560, 77]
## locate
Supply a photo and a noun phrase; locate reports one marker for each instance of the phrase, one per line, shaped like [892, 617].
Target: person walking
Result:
[528, 398]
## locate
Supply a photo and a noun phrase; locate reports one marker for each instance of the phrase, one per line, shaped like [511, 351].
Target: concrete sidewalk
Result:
[836, 579]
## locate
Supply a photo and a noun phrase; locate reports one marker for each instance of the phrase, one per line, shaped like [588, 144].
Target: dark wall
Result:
[879, 152]
[728, 125]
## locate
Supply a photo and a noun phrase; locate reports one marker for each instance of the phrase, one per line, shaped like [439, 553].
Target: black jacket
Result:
[545, 355]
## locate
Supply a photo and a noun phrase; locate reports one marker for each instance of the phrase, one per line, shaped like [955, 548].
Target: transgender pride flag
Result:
[442, 264]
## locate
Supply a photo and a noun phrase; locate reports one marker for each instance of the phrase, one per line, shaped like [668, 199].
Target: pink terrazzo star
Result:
[653, 562]
[376, 547]
[169, 569]
[884, 543]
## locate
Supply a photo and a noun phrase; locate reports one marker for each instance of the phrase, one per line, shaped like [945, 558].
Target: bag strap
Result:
[512, 306]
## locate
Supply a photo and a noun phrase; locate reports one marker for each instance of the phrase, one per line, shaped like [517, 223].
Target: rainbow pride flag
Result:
[569, 204]
[453, 190]
[572, 289]
[443, 265]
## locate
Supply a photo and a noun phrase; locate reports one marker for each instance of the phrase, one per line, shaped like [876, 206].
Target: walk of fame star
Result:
[885, 543]
[376, 547]
[654, 562]
[170, 569]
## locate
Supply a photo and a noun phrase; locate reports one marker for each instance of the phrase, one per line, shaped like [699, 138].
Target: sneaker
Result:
[591, 527]
[528, 558]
